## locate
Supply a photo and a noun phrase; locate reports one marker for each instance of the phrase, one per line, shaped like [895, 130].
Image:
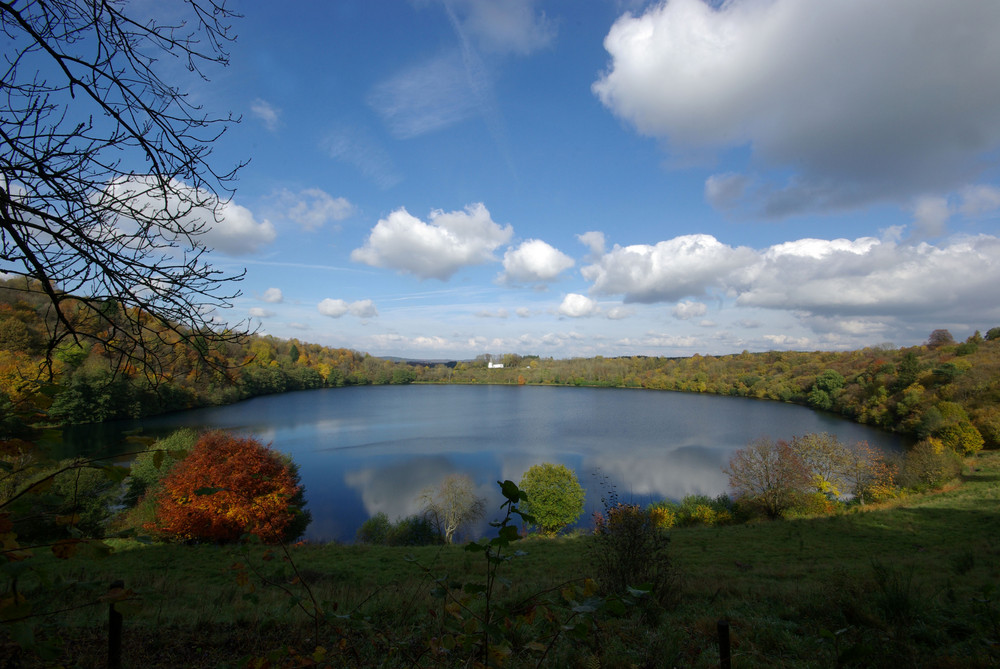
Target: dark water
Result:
[367, 449]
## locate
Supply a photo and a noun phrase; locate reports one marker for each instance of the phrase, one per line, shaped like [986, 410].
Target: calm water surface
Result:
[367, 449]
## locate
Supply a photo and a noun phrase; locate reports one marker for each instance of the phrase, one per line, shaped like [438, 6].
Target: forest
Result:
[944, 388]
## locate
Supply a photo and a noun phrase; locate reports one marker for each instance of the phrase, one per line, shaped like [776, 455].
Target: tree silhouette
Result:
[105, 183]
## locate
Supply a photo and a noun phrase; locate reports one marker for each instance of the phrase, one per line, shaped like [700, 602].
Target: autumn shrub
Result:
[629, 550]
[229, 486]
[768, 477]
[664, 514]
[929, 464]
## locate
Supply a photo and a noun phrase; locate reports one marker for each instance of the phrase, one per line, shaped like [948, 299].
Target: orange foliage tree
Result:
[229, 486]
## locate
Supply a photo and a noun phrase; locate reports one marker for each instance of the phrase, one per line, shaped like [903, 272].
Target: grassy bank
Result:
[912, 583]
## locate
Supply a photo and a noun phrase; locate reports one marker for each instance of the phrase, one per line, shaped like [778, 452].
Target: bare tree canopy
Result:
[105, 183]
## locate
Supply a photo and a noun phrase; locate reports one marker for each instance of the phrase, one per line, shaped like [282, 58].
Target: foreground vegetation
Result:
[905, 583]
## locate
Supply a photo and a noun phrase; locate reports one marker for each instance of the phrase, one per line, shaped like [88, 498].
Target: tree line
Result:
[944, 389]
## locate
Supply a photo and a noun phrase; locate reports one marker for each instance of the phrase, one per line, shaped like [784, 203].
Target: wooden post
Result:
[115, 632]
[725, 655]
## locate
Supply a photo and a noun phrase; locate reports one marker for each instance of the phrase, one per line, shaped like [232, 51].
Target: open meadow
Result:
[913, 582]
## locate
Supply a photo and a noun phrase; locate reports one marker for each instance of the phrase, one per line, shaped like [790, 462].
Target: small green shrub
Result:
[555, 496]
[149, 468]
[375, 530]
[410, 531]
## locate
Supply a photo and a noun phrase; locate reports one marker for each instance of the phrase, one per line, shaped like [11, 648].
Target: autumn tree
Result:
[452, 504]
[107, 186]
[555, 496]
[869, 475]
[769, 475]
[229, 486]
[825, 458]
[939, 338]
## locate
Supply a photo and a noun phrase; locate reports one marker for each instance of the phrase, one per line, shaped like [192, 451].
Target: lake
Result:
[366, 449]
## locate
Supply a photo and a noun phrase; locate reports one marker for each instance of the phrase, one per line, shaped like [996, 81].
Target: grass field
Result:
[913, 583]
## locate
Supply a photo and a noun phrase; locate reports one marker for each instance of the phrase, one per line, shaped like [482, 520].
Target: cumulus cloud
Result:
[594, 241]
[272, 296]
[226, 226]
[268, 114]
[575, 305]
[870, 277]
[687, 310]
[258, 312]
[838, 95]
[534, 261]
[337, 308]
[312, 208]
[685, 266]
[435, 249]
[865, 280]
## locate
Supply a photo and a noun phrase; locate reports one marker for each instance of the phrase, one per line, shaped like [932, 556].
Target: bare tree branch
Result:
[106, 187]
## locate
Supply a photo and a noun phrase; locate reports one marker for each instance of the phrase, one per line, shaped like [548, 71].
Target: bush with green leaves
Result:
[554, 496]
[410, 531]
[151, 466]
[929, 464]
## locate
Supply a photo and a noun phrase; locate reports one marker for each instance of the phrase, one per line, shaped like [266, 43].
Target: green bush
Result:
[555, 496]
[149, 467]
[929, 464]
[410, 531]
[375, 530]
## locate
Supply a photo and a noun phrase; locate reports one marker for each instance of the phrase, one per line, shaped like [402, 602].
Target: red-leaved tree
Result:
[229, 486]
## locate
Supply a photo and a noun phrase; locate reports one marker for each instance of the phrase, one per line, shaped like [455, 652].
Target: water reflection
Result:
[366, 450]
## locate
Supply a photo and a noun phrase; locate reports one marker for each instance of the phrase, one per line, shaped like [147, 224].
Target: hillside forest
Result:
[944, 388]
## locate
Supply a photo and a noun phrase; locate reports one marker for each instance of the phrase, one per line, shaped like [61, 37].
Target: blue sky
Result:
[446, 178]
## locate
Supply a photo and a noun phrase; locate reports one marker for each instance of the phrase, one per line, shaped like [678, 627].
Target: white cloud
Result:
[839, 95]
[505, 26]
[870, 277]
[337, 308]
[499, 313]
[226, 226]
[237, 232]
[269, 115]
[258, 312]
[687, 310]
[312, 208]
[575, 305]
[619, 312]
[534, 261]
[594, 241]
[980, 199]
[864, 283]
[436, 249]
[425, 97]
[685, 266]
[272, 296]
